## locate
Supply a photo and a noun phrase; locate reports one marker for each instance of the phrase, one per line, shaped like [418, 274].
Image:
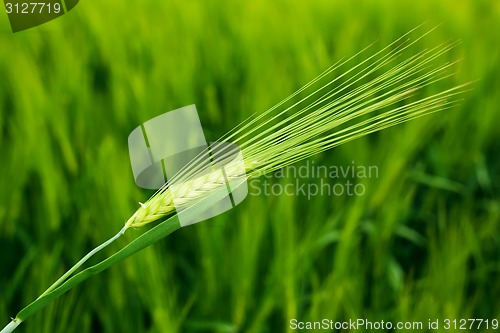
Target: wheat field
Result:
[422, 241]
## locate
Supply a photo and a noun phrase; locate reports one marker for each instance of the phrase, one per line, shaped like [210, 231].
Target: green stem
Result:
[15, 322]
[11, 326]
[163, 229]
[82, 261]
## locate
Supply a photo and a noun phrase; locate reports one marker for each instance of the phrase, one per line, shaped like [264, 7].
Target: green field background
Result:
[422, 243]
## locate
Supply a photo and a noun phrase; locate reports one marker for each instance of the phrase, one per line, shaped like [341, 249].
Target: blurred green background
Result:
[422, 243]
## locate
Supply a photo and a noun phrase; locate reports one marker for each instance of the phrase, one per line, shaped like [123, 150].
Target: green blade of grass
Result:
[158, 232]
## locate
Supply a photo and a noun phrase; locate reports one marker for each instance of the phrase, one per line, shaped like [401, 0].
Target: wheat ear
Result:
[323, 119]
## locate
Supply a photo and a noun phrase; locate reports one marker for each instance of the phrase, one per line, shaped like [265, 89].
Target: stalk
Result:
[11, 326]
[16, 321]
[82, 261]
